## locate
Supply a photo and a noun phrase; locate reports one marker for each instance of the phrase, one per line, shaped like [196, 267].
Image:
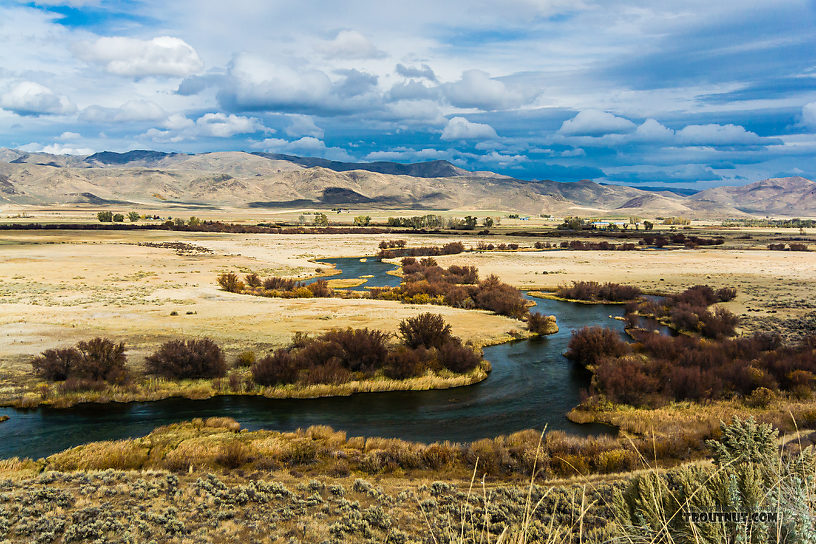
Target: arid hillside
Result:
[259, 180]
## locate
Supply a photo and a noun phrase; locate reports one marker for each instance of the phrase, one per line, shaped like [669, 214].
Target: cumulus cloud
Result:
[253, 83]
[303, 125]
[350, 44]
[30, 98]
[476, 89]
[132, 110]
[459, 128]
[161, 56]
[595, 123]
[409, 154]
[308, 145]
[423, 112]
[809, 115]
[67, 135]
[213, 125]
[653, 131]
[714, 134]
[56, 149]
[423, 72]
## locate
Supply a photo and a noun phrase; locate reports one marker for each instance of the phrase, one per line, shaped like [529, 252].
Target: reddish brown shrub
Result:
[457, 357]
[230, 282]
[320, 289]
[590, 344]
[428, 330]
[188, 359]
[100, 359]
[278, 368]
[55, 364]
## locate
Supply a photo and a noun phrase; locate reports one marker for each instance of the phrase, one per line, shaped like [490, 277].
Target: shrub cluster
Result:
[590, 345]
[341, 355]
[89, 364]
[690, 242]
[791, 247]
[451, 248]
[188, 359]
[602, 292]
[686, 368]
[274, 286]
[484, 246]
[688, 311]
[596, 246]
[425, 282]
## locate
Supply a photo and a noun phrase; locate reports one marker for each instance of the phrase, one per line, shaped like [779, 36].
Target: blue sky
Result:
[686, 94]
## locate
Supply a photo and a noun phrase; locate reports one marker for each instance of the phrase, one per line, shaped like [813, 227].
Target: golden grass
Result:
[152, 389]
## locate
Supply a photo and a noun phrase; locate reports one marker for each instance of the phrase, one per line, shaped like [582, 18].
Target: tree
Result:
[320, 220]
[118, 218]
[648, 225]
[487, 222]
[133, 216]
[105, 217]
[194, 221]
[362, 220]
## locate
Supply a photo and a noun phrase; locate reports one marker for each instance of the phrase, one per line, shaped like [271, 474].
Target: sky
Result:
[645, 93]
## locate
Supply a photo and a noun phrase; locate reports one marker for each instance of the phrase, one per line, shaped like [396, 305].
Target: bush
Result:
[539, 323]
[278, 368]
[404, 362]
[245, 359]
[100, 360]
[590, 344]
[56, 364]
[457, 357]
[253, 280]
[188, 359]
[594, 291]
[230, 282]
[427, 330]
[499, 297]
[358, 349]
[320, 289]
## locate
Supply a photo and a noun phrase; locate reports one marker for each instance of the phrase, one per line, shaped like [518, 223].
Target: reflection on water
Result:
[532, 385]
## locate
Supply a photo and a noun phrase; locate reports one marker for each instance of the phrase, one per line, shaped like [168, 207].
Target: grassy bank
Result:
[153, 389]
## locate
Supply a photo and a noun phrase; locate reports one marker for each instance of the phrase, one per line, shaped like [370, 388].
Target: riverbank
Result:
[155, 389]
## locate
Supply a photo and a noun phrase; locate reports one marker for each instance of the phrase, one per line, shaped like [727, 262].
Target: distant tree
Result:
[105, 217]
[133, 216]
[320, 220]
[648, 225]
[194, 221]
[487, 222]
[118, 218]
[301, 220]
[362, 220]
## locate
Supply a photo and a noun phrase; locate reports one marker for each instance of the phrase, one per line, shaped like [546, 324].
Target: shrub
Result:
[428, 330]
[404, 362]
[588, 345]
[187, 359]
[726, 294]
[499, 297]
[100, 359]
[358, 349]
[55, 364]
[280, 284]
[253, 280]
[594, 291]
[719, 324]
[457, 357]
[245, 358]
[278, 368]
[320, 289]
[230, 282]
[539, 323]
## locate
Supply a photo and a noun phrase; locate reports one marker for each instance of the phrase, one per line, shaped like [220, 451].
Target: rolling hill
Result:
[257, 180]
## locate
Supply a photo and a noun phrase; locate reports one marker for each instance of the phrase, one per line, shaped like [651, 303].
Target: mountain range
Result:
[263, 180]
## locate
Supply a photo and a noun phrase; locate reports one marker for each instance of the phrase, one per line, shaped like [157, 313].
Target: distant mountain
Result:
[430, 169]
[235, 179]
[682, 191]
[792, 196]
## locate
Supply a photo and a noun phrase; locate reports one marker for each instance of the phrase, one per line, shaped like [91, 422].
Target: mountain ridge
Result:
[241, 180]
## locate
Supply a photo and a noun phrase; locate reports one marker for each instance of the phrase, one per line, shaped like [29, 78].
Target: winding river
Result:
[532, 385]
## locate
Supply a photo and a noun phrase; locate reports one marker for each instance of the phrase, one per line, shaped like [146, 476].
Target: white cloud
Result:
[303, 125]
[67, 135]
[30, 98]
[221, 125]
[653, 131]
[595, 123]
[405, 153]
[214, 125]
[476, 89]
[350, 44]
[307, 145]
[714, 134]
[132, 110]
[809, 115]
[161, 56]
[459, 128]
[56, 149]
